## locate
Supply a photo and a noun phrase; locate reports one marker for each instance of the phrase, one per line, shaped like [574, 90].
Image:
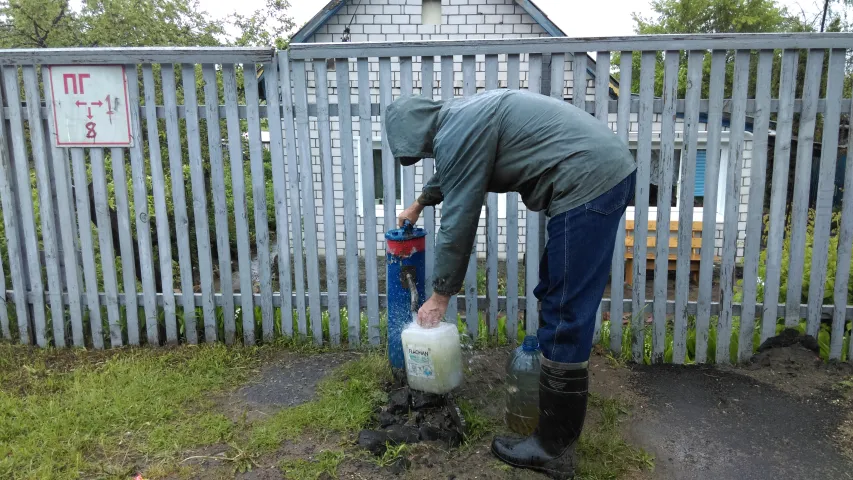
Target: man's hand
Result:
[433, 310]
[411, 213]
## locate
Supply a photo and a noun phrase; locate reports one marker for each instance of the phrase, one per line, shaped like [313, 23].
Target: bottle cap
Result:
[530, 344]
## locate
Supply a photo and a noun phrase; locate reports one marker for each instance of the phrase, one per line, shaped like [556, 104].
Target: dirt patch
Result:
[284, 382]
[791, 362]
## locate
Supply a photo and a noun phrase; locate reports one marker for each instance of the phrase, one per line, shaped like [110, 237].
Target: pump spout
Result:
[413, 291]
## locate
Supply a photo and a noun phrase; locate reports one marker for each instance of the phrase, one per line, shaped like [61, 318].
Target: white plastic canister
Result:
[433, 357]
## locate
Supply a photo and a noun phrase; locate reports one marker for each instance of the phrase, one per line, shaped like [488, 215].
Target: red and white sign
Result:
[90, 106]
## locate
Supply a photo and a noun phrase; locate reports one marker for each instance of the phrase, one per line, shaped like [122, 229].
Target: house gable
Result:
[401, 20]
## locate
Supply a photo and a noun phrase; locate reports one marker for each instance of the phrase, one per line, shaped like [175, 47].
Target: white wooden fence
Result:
[171, 283]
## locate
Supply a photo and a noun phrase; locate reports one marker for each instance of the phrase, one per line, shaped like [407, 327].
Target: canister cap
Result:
[407, 232]
[530, 344]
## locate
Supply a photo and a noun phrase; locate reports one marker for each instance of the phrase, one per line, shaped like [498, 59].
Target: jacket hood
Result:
[411, 123]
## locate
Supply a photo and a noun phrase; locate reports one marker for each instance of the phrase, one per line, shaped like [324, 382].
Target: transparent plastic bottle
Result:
[522, 384]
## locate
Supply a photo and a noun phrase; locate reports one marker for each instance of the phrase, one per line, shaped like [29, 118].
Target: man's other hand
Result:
[433, 310]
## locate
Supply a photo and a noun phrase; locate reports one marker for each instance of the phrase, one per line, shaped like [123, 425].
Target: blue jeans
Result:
[575, 269]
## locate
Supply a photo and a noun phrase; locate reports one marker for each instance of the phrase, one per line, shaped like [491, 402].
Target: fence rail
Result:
[270, 209]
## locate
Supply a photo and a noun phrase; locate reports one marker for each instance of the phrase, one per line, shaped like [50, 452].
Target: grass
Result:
[345, 402]
[76, 414]
[325, 463]
[604, 453]
[71, 414]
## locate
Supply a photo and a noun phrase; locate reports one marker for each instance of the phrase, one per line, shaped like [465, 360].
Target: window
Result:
[378, 183]
[698, 181]
[431, 12]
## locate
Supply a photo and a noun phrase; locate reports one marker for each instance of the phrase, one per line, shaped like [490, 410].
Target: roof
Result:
[334, 6]
[331, 8]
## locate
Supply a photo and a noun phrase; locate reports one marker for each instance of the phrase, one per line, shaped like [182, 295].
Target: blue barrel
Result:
[405, 257]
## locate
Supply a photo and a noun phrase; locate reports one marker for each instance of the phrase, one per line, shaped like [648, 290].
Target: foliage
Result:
[71, 414]
[711, 16]
[829, 286]
[100, 23]
[345, 402]
[266, 26]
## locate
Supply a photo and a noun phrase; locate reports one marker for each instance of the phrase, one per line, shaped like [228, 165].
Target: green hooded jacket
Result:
[556, 156]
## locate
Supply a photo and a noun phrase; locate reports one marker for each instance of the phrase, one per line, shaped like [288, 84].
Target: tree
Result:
[101, 23]
[266, 27]
[712, 16]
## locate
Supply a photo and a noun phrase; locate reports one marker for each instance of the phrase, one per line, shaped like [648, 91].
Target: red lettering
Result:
[75, 79]
[65, 78]
[80, 77]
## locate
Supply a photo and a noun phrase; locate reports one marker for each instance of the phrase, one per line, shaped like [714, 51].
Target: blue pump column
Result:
[405, 256]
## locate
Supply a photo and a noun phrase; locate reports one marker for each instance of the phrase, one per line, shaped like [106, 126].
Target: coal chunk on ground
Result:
[373, 441]
[411, 417]
[422, 400]
[398, 402]
[386, 419]
[402, 434]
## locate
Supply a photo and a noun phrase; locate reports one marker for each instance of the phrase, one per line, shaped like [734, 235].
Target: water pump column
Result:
[405, 259]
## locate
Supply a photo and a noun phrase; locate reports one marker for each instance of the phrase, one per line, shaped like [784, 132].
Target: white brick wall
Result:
[400, 20]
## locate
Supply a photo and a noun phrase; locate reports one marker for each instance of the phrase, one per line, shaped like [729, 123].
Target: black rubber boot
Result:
[562, 409]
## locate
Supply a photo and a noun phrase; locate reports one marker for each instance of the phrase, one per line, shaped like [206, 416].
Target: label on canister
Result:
[419, 362]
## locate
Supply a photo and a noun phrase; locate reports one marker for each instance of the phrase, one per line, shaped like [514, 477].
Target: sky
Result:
[578, 18]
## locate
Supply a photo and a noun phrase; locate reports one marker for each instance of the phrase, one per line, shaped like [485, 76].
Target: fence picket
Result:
[329, 222]
[472, 314]
[126, 248]
[842, 270]
[427, 82]
[709, 211]
[46, 207]
[513, 74]
[779, 187]
[25, 206]
[447, 93]
[617, 273]
[492, 223]
[802, 177]
[286, 86]
[105, 236]
[754, 223]
[259, 198]
[220, 205]
[602, 86]
[158, 184]
[241, 214]
[199, 193]
[282, 219]
[740, 89]
[641, 202]
[84, 222]
[406, 89]
[579, 82]
[368, 194]
[179, 203]
[350, 199]
[11, 227]
[558, 75]
[664, 209]
[67, 229]
[531, 267]
[825, 189]
[306, 192]
[685, 218]
[143, 229]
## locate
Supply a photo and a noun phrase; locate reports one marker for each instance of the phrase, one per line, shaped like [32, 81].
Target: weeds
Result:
[392, 455]
[326, 463]
[65, 416]
[346, 401]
